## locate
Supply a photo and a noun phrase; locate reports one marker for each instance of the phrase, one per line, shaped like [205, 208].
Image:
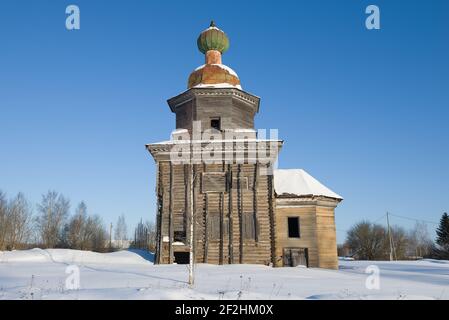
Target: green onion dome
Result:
[213, 39]
[212, 42]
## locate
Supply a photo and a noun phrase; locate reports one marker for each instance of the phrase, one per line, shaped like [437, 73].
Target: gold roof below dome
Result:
[213, 74]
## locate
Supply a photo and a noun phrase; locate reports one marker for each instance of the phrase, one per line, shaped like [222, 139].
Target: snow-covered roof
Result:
[211, 28]
[217, 85]
[222, 66]
[297, 182]
[172, 142]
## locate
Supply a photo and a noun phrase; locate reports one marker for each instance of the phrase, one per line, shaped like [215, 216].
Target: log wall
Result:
[317, 230]
[220, 237]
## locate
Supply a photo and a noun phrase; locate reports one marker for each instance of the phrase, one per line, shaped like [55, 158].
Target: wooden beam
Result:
[255, 220]
[221, 247]
[193, 205]
[186, 198]
[240, 210]
[160, 210]
[206, 229]
[221, 257]
[271, 214]
[231, 231]
[170, 217]
[158, 237]
[206, 225]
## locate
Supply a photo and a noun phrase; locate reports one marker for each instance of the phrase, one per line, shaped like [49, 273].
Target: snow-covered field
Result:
[41, 274]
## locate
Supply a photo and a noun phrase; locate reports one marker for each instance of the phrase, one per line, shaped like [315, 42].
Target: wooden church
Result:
[216, 172]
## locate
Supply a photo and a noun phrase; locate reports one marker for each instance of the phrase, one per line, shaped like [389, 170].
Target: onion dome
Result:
[213, 39]
[213, 42]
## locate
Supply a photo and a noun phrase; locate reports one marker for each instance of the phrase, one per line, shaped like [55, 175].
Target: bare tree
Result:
[368, 241]
[121, 231]
[151, 227]
[19, 215]
[420, 243]
[145, 236]
[75, 230]
[53, 210]
[84, 232]
[400, 242]
[4, 221]
[99, 235]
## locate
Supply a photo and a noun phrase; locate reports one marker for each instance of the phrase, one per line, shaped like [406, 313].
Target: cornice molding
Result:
[190, 95]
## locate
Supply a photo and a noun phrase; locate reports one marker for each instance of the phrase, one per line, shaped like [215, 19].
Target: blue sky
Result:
[365, 112]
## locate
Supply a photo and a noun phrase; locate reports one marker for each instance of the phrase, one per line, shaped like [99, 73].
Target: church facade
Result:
[217, 173]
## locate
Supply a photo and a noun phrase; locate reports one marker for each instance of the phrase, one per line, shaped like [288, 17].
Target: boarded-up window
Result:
[249, 226]
[243, 183]
[214, 182]
[213, 221]
[225, 228]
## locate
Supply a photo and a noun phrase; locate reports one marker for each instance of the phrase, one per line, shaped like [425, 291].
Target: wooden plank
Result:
[271, 214]
[214, 182]
[248, 226]
[213, 230]
[186, 198]
[231, 231]
[206, 224]
[256, 228]
[160, 213]
[222, 233]
[221, 230]
[170, 231]
[240, 209]
[195, 181]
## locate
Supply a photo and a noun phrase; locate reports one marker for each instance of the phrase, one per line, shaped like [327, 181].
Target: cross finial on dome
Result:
[212, 24]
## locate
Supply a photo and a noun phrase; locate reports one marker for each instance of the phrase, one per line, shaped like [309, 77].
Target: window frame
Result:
[251, 233]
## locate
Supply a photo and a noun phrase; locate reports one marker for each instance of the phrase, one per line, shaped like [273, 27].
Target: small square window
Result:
[215, 123]
[293, 227]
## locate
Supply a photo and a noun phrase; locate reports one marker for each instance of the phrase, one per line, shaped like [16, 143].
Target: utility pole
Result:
[389, 237]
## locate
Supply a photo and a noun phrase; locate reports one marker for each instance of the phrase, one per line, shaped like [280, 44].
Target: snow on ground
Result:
[41, 274]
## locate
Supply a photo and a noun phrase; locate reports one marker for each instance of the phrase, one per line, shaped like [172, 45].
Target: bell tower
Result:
[232, 196]
[215, 96]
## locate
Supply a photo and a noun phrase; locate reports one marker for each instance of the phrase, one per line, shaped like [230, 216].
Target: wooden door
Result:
[294, 257]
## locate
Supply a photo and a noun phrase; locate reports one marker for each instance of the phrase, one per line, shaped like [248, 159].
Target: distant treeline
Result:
[372, 241]
[52, 226]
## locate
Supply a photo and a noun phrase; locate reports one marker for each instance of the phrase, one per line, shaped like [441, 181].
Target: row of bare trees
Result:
[145, 236]
[84, 232]
[371, 241]
[52, 227]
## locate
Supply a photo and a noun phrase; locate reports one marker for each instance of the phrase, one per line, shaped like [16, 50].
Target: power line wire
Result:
[397, 216]
[412, 219]
[380, 218]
